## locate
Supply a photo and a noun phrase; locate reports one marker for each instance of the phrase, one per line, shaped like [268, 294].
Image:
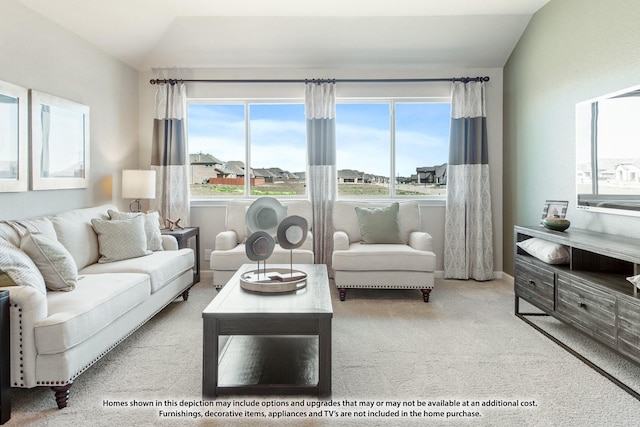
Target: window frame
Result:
[391, 101]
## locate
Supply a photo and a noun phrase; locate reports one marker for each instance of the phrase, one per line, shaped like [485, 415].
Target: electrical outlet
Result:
[207, 254]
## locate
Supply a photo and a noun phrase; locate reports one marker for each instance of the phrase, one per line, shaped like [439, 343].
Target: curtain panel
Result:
[320, 113]
[468, 249]
[169, 157]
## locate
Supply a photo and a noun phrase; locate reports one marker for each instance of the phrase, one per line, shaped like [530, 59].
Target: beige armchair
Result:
[408, 264]
[229, 253]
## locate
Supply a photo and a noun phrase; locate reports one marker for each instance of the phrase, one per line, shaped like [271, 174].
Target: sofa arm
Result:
[27, 308]
[340, 241]
[226, 240]
[421, 241]
[169, 243]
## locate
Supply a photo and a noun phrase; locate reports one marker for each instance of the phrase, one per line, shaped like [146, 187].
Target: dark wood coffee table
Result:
[279, 343]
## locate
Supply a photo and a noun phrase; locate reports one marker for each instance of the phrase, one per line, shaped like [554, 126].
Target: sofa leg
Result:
[62, 395]
[343, 293]
[185, 295]
[425, 294]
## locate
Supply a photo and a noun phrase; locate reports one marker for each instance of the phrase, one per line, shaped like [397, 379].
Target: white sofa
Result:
[229, 253]
[58, 335]
[408, 265]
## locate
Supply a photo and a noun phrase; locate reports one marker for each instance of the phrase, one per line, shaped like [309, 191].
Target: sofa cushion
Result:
[75, 232]
[120, 239]
[161, 266]
[97, 301]
[379, 225]
[383, 257]
[54, 261]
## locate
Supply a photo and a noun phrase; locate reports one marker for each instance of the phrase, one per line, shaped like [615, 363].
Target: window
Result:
[392, 148]
[385, 148]
[278, 149]
[223, 138]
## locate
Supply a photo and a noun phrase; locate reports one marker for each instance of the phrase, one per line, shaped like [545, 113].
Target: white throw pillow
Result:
[549, 252]
[54, 261]
[20, 268]
[151, 226]
[120, 239]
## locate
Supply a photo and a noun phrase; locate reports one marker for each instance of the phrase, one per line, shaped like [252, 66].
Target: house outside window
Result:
[385, 148]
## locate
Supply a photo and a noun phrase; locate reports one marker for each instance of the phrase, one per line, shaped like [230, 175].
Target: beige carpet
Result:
[465, 347]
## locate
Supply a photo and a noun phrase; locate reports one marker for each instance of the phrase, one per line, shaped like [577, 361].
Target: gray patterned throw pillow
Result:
[20, 268]
[151, 226]
[121, 239]
[54, 261]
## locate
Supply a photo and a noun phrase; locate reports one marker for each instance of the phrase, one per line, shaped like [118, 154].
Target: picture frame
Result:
[60, 145]
[14, 134]
[554, 207]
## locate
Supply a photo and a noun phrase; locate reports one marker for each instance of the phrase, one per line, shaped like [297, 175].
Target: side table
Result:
[5, 362]
[183, 235]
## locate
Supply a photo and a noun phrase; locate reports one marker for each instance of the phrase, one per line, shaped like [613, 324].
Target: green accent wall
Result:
[571, 51]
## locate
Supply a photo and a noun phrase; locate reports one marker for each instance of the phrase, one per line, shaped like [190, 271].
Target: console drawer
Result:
[629, 329]
[534, 284]
[587, 308]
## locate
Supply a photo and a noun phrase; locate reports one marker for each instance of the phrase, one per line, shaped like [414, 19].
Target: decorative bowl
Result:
[556, 223]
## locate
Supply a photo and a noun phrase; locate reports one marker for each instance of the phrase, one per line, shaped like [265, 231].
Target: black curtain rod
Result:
[452, 79]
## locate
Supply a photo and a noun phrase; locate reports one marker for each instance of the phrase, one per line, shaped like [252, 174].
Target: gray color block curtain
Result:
[468, 246]
[169, 157]
[320, 112]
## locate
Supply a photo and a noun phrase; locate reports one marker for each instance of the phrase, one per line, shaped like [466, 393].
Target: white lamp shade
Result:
[139, 184]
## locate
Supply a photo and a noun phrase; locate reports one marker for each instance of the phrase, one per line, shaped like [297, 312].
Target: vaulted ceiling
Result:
[297, 33]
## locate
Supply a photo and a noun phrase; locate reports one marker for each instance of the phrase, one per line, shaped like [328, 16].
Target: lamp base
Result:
[135, 206]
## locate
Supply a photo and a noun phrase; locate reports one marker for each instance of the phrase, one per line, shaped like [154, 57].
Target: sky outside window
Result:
[278, 140]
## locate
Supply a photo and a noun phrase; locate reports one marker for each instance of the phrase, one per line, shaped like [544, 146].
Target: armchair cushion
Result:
[383, 257]
[379, 225]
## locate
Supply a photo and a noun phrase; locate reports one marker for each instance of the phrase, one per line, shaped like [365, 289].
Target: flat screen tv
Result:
[608, 153]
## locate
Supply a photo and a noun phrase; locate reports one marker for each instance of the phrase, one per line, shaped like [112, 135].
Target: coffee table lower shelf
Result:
[260, 365]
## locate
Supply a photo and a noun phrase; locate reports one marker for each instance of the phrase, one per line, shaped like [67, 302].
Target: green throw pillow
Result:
[379, 225]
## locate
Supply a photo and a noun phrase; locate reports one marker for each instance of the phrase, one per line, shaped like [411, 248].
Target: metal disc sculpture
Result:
[265, 218]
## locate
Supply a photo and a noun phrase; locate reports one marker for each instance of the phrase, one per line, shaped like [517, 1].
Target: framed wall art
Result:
[59, 143]
[14, 163]
[554, 208]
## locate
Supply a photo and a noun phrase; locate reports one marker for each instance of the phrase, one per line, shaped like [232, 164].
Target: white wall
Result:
[571, 51]
[210, 216]
[38, 54]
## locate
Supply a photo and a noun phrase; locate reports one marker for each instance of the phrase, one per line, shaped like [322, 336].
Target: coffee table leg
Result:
[324, 357]
[210, 358]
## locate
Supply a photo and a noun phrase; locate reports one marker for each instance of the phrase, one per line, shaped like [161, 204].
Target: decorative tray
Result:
[272, 280]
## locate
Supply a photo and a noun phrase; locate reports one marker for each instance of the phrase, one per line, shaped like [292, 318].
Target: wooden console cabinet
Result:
[590, 293]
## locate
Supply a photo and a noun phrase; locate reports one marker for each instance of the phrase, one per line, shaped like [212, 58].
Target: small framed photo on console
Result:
[554, 208]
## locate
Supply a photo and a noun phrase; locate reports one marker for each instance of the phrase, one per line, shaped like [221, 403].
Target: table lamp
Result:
[138, 184]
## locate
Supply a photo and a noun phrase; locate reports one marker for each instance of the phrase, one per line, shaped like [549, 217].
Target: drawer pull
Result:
[583, 305]
[532, 283]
